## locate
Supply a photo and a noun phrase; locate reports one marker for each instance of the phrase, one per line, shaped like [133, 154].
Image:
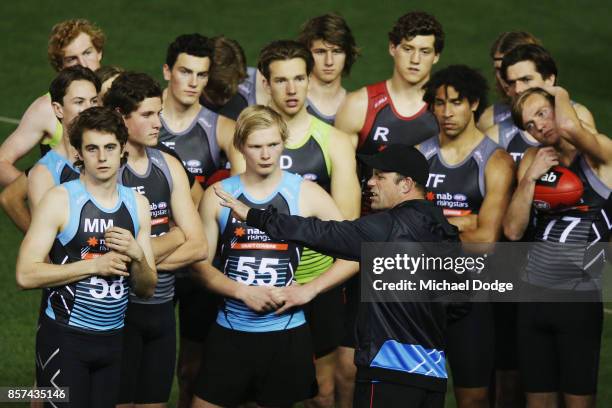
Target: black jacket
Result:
[397, 342]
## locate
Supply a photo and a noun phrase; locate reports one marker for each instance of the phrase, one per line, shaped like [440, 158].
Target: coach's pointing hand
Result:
[239, 209]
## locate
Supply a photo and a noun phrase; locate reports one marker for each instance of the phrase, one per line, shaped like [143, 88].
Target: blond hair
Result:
[257, 117]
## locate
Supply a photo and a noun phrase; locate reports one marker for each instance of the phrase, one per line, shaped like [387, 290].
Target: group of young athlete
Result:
[124, 220]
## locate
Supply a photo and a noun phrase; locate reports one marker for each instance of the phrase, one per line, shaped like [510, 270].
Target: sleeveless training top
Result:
[251, 257]
[310, 159]
[95, 303]
[514, 140]
[383, 126]
[312, 109]
[197, 145]
[61, 169]
[48, 143]
[156, 185]
[501, 112]
[565, 256]
[459, 189]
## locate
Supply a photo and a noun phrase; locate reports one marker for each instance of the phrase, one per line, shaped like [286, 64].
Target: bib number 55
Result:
[257, 276]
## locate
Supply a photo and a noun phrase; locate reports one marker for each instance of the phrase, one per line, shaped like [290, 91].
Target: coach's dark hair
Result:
[416, 23]
[331, 28]
[468, 82]
[129, 90]
[191, 44]
[98, 118]
[517, 106]
[227, 71]
[541, 58]
[62, 81]
[282, 50]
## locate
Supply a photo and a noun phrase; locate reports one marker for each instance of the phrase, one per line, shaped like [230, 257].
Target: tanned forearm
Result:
[519, 210]
[143, 277]
[42, 275]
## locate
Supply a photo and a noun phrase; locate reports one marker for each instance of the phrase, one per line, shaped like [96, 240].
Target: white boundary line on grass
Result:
[608, 311]
[9, 120]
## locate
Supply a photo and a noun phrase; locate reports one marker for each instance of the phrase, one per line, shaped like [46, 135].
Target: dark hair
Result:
[416, 23]
[63, 33]
[468, 82]
[97, 118]
[191, 44]
[509, 40]
[106, 72]
[62, 81]
[129, 90]
[281, 50]
[541, 58]
[228, 70]
[331, 28]
[517, 106]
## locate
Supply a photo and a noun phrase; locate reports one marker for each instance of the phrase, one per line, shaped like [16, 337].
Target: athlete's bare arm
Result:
[40, 181]
[37, 122]
[185, 217]
[258, 298]
[352, 114]
[345, 188]
[315, 202]
[486, 119]
[197, 192]
[586, 117]
[225, 138]
[534, 164]
[597, 147]
[499, 179]
[13, 200]
[48, 219]
[143, 276]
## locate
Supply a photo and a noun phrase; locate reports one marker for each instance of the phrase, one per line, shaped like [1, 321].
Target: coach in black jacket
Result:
[400, 346]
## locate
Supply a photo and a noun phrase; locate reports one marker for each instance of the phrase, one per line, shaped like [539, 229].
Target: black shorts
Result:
[325, 319]
[197, 308]
[87, 362]
[351, 309]
[506, 347]
[470, 345]
[559, 346]
[390, 395]
[274, 369]
[149, 350]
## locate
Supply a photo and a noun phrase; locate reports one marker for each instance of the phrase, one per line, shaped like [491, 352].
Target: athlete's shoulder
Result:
[486, 119]
[41, 113]
[493, 133]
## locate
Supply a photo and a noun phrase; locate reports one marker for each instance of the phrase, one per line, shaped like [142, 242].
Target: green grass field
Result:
[139, 31]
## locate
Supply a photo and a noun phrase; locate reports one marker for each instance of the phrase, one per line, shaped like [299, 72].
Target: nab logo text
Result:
[436, 179]
[97, 224]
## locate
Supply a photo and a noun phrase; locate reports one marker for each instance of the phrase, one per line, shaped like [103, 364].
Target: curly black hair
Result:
[468, 82]
[417, 23]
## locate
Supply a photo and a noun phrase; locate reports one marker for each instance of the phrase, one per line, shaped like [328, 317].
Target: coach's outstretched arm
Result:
[341, 239]
[48, 220]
